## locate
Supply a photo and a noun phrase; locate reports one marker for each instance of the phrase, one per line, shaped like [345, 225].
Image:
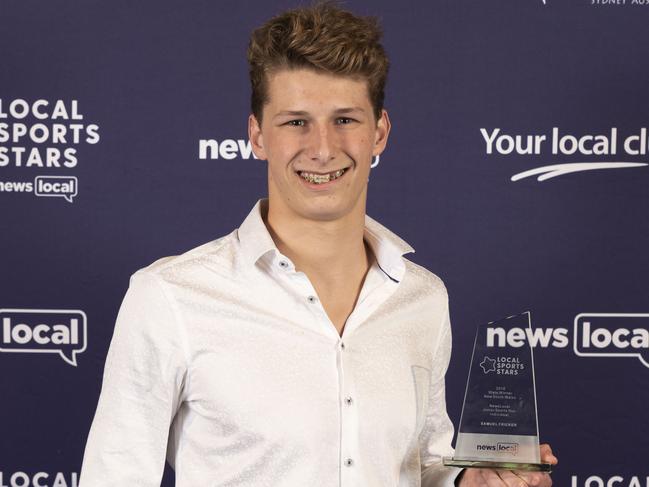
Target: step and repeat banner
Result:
[517, 167]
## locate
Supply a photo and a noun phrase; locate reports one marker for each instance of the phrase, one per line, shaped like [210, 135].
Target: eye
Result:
[296, 123]
[345, 120]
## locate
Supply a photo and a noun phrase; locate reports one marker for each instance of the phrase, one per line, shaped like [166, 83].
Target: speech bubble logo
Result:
[65, 187]
[612, 335]
[61, 331]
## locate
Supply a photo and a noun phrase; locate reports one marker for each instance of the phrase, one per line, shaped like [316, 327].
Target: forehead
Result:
[309, 89]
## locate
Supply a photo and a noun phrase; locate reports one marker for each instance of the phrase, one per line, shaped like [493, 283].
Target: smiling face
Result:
[319, 135]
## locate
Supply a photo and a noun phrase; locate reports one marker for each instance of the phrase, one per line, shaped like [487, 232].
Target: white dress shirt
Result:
[224, 361]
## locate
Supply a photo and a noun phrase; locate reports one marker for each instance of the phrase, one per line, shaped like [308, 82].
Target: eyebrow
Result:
[302, 113]
[296, 113]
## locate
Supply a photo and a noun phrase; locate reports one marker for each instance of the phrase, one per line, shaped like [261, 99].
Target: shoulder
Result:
[420, 277]
[219, 253]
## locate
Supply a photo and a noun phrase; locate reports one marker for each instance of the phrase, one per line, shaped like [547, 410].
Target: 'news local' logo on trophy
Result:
[60, 331]
[499, 425]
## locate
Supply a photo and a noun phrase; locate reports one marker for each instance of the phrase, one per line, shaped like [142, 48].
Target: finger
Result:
[492, 478]
[547, 455]
[535, 479]
[473, 478]
[511, 479]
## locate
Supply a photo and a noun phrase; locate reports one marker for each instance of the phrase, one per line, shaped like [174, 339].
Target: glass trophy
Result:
[499, 425]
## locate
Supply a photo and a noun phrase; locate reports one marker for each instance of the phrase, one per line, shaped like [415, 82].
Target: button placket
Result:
[349, 416]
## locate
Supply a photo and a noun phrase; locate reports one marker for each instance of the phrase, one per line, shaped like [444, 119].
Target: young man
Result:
[302, 349]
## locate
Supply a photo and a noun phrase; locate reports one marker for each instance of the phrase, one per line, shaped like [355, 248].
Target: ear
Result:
[256, 137]
[381, 133]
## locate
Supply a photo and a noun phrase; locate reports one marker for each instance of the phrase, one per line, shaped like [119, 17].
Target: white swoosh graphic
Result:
[555, 170]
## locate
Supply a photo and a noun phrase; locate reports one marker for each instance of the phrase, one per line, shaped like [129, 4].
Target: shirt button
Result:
[349, 462]
[283, 264]
[342, 345]
[349, 400]
[311, 299]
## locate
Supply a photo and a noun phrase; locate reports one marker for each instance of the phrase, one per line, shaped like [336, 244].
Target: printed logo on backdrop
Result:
[227, 149]
[610, 3]
[610, 481]
[58, 331]
[230, 149]
[556, 144]
[599, 335]
[39, 479]
[618, 3]
[42, 136]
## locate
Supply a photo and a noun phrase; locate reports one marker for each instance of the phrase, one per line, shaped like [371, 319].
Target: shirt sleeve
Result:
[437, 433]
[141, 390]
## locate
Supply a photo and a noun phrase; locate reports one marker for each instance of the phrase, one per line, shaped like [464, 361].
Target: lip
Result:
[322, 173]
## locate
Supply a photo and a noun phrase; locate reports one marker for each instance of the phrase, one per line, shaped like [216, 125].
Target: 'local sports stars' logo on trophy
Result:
[488, 365]
[499, 426]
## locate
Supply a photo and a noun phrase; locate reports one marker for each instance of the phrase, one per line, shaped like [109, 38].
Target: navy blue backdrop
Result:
[123, 139]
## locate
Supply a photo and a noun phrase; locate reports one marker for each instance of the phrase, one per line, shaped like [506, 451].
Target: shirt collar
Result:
[253, 235]
[388, 247]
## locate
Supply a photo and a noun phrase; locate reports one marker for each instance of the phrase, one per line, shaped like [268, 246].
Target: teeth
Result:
[321, 178]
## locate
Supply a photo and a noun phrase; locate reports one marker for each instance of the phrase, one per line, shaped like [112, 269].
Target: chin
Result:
[323, 214]
[324, 209]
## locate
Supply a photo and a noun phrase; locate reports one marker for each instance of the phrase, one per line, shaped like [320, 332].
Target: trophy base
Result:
[526, 467]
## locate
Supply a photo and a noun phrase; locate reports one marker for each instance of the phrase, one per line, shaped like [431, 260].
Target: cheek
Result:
[278, 174]
[360, 145]
[282, 152]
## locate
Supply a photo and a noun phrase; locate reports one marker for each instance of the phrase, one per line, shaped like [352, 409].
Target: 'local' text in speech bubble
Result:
[612, 335]
[62, 331]
[58, 186]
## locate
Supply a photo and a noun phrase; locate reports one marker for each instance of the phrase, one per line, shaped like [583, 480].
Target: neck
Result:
[332, 251]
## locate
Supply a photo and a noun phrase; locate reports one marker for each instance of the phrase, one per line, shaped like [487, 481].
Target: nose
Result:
[321, 144]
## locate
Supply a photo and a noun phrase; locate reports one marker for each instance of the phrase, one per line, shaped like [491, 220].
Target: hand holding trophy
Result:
[498, 437]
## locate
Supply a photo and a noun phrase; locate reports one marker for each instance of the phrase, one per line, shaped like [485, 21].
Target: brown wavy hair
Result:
[322, 37]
